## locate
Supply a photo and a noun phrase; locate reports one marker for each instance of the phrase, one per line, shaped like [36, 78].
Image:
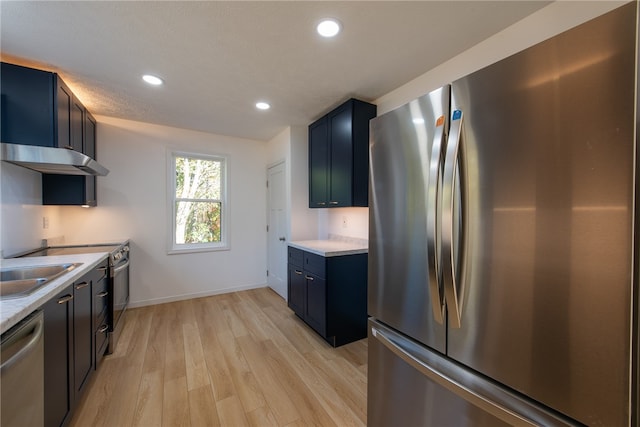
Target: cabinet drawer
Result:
[101, 296]
[101, 319]
[101, 341]
[100, 301]
[295, 256]
[314, 264]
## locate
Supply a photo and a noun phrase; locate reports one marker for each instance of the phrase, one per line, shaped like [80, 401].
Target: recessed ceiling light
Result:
[262, 106]
[152, 80]
[328, 27]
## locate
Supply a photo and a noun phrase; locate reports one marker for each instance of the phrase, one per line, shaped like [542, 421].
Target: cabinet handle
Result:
[103, 328]
[82, 285]
[298, 272]
[101, 269]
[65, 299]
[309, 278]
[321, 203]
[333, 203]
[102, 294]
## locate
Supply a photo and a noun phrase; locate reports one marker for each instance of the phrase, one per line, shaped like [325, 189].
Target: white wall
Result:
[21, 213]
[291, 147]
[348, 222]
[132, 203]
[304, 221]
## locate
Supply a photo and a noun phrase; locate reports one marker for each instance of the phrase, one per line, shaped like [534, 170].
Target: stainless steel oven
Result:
[119, 292]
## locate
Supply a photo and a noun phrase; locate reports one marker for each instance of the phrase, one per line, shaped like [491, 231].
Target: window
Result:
[197, 202]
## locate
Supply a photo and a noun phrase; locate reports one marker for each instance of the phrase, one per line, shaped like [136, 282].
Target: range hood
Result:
[59, 161]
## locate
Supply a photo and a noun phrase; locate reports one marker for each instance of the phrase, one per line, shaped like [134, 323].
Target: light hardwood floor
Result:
[239, 359]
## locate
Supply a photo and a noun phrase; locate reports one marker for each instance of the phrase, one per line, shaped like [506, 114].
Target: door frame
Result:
[287, 209]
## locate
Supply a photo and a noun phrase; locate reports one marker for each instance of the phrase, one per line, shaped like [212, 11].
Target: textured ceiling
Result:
[219, 58]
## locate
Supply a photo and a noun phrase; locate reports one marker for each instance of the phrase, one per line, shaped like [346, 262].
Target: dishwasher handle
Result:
[29, 346]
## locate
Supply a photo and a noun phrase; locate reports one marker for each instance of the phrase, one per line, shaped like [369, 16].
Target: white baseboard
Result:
[155, 301]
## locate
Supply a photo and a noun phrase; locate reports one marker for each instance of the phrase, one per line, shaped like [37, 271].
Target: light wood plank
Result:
[313, 397]
[174, 365]
[277, 398]
[262, 417]
[346, 384]
[231, 412]
[148, 410]
[175, 405]
[197, 374]
[219, 373]
[202, 407]
[154, 359]
[244, 381]
[234, 321]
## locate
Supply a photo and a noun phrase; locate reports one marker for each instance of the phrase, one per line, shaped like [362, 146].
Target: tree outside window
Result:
[198, 202]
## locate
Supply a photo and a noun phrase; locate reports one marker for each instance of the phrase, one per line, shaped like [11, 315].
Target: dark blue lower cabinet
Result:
[329, 294]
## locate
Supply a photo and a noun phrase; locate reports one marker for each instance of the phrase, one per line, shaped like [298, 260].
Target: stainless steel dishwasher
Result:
[22, 373]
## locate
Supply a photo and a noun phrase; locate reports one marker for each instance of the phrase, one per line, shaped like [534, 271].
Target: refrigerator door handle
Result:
[433, 221]
[440, 378]
[452, 293]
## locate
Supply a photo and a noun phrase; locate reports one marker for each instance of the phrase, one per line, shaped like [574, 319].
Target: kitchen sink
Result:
[21, 281]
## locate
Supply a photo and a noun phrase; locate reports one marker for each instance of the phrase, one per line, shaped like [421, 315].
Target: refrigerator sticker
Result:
[440, 121]
[457, 114]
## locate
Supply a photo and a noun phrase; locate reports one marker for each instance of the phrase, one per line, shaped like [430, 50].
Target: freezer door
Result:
[410, 385]
[405, 147]
[546, 289]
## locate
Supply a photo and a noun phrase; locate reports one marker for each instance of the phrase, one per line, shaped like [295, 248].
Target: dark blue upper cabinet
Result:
[39, 109]
[28, 114]
[339, 156]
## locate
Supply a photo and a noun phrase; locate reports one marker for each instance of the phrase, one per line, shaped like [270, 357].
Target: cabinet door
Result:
[64, 108]
[82, 331]
[316, 315]
[297, 289]
[341, 157]
[90, 125]
[318, 164]
[77, 125]
[89, 148]
[66, 190]
[26, 105]
[58, 358]
[90, 191]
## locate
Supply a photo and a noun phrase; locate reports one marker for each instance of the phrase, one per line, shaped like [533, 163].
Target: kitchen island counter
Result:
[13, 310]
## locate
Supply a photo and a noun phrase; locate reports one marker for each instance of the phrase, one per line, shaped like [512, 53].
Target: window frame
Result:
[172, 199]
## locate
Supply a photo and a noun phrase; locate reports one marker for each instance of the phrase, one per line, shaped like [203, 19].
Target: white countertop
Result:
[13, 310]
[330, 248]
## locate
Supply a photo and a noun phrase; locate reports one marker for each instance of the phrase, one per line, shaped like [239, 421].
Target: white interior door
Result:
[277, 233]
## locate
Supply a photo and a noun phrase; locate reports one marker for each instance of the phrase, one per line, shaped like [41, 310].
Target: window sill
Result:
[190, 250]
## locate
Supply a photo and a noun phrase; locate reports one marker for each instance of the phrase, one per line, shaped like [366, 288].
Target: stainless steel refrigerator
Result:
[503, 255]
